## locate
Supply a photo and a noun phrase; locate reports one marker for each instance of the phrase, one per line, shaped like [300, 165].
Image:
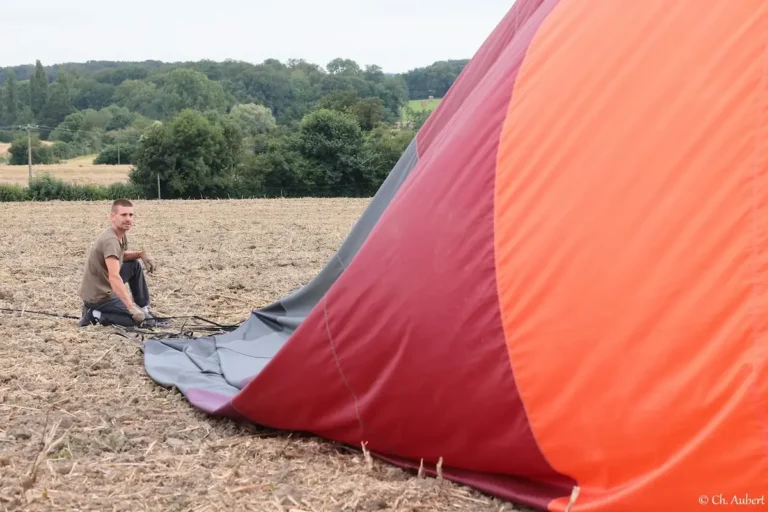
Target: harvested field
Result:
[83, 427]
[77, 172]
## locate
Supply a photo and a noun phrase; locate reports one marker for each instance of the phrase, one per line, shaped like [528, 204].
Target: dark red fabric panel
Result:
[522, 12]
[407, 350]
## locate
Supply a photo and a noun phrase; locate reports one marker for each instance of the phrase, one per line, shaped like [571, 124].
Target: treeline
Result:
[216, 129]
[433, 80]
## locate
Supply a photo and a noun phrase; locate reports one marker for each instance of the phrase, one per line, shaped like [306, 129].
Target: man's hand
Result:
[137, 315]
[149, 261]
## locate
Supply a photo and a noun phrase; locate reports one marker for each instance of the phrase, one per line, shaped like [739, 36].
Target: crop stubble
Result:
[83, 427]
[77, 173]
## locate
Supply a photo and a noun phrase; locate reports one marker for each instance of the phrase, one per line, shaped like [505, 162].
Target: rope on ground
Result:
[212, 326]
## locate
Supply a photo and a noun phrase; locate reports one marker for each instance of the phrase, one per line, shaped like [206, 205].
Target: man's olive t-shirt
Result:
[95, 287]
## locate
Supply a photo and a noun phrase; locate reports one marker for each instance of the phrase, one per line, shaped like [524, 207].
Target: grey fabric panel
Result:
[295, 307]
[174, 365]
[243, 359]
[226, 363]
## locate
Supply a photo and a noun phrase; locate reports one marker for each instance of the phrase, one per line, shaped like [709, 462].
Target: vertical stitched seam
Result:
[757, 241]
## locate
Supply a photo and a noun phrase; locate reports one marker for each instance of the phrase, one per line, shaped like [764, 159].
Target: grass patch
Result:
[421, 105]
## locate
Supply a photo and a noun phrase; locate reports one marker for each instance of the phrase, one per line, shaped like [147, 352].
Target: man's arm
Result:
[113, 269]
[132, 255]
[144, 256]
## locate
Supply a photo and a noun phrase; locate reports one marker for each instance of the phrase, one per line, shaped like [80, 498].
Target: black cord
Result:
[196, 317]
[57, 315]
[64, 315]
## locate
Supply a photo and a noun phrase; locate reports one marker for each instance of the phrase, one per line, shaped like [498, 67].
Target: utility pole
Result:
[29, 151]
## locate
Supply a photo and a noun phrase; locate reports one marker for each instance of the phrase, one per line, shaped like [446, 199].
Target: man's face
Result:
[122, 217]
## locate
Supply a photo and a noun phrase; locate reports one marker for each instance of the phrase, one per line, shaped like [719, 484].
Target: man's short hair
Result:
[121, 202]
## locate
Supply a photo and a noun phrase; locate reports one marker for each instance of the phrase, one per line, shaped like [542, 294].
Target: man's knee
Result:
[130, 269]
[132, 265]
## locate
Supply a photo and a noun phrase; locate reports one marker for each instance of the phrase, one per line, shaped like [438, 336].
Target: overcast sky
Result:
[398, 35]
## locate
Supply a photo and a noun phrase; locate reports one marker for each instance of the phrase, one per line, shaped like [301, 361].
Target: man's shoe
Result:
[87, 318]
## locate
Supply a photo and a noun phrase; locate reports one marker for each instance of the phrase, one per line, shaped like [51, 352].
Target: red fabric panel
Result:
[484, 60]
[407, 350]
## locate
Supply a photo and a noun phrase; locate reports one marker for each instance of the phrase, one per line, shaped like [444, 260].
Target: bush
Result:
[48, 188]
[13, 193]
[64, 151]
[108, 155]
[40, 154]
[123, 190]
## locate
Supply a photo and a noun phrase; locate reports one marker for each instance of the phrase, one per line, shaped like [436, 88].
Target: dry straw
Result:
[83, 428]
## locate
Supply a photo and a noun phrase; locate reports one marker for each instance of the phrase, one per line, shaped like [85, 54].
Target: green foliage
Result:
[383, 148]
[116, 155]
[13, 193]
[331, 142]
[47, 188]
[9, 101]
[65, 151]
[193, 156]
[369, 112]
[19, 152]
[91, 94]
[189, 89]
[434, 80]
[58, 104]
[416, 118]
[221, 129]
[253, 119]
[38, 89]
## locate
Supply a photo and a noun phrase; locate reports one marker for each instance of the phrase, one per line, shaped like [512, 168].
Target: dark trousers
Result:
[113, 311]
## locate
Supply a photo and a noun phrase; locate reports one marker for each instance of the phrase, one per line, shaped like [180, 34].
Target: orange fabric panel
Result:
[631, 222]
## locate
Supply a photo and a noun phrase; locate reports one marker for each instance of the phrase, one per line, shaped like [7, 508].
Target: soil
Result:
[83, 427]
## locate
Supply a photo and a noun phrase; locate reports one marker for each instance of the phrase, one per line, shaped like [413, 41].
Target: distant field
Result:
[425, 104]
[420, 105]
[80, 171]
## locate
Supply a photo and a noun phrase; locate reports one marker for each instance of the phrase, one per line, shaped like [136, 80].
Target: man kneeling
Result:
[108, 266]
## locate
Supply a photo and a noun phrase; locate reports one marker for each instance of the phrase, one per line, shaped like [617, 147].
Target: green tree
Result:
[58, 105]
[90, 93]
[19, 154]
[369, 112]
[193, 157]
[253, 119]
[10, 99]
[187, 88]
[341, 66]
[141, 97]
[38, 89]
[384, 146]
[332, 143]
[435, 79]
